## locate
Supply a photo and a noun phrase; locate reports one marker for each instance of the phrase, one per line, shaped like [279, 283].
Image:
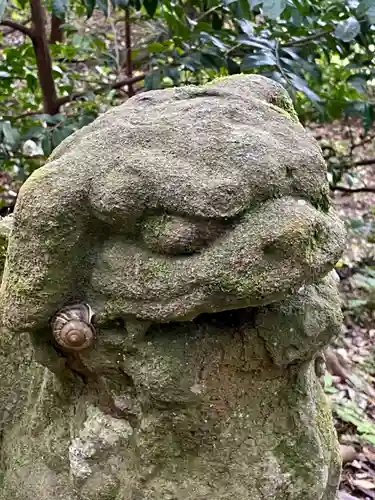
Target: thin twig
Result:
[366, 161]
[208, 12]
[306, 40]
[351, 137]
[113, 86]
[18, 27]
[346, 163]
[364, 141]
[76, 95]
[364, 189]
[113, 28]
[279, 65]
[128, 46]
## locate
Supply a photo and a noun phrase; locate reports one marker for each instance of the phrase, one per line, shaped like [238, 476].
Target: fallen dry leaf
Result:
[365, 484]
[345, 496]
[348, 453]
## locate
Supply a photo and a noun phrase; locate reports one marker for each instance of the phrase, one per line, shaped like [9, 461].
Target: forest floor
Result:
[350, 379]
[350, 375]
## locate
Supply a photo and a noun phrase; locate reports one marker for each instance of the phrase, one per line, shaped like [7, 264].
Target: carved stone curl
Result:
[196, 222]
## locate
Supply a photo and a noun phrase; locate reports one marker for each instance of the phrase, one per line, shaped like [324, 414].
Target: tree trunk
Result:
[57, 34]
[43, 59]
[128, 45]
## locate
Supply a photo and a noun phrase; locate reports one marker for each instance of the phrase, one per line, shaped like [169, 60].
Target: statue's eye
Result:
[175, 235]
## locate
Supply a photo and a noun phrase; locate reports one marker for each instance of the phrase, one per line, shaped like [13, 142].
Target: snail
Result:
[72, 328]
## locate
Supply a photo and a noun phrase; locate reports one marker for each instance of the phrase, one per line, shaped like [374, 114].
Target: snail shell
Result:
[72, 328]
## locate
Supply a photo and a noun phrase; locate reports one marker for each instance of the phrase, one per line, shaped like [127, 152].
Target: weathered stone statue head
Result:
[172, 265]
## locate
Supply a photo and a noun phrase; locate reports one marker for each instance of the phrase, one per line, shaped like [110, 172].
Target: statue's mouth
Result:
[255, 263]
[229, 318]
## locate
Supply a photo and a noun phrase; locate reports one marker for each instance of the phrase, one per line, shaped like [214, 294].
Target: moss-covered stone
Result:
[6, 224]
[3, 250]
[212, 418]
[190, 181]
[196, 224]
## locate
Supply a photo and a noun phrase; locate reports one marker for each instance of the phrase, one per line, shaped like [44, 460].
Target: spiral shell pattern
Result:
[72, 328]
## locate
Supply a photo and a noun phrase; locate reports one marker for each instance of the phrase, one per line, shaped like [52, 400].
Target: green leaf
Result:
[51, 120]
[301, 85]
[364, 110]
[21, 3]
[157, 47]
[90, 6]
[32, 82]
[59, 8]
[364, 282]
[57, 69]
[356, 303]
[233, 67]
[328, 381]
[355, 108]
[122, 4]
[367, 8]
[347, 30]
[150, 6]
[273, 8]
[217, 21]
[244, 8]
[368, 117]
[259, 43]
[175, 24]
[258, 60]
[218, 43]
[369, 437]
[47, 143]
[85, 120]
[61, 133]
[153, 80]
[192, 62]
[358, 82]
[371, 14]
[11, 135]
[348, 412]
[173, 74]
[103, 6]
[3, 5]
[35, 132]
[246, 26]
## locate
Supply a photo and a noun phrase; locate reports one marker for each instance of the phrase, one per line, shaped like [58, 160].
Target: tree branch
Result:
[366, 161]
[43, 58]
[76, 95]
[56, 34]
[117, 85]
[365, 189]
[364, 141]
[346, 163]
[307, 39]
[18, 27]
[128, 46]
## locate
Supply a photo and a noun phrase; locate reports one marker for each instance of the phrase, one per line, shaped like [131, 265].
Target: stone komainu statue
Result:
[166, 292]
